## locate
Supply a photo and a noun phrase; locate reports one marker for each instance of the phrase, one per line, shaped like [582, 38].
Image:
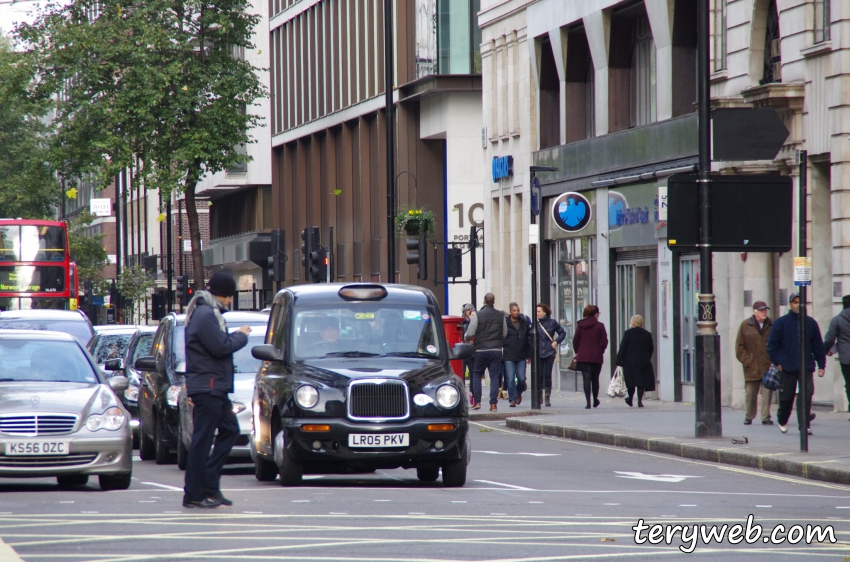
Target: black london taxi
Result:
[356, 377]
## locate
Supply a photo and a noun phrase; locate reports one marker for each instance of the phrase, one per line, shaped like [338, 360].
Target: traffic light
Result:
[323, 266]
[310, 251]
[180, 290]
[417, 253]
[275, 270]
[188, 293]
[454, 262]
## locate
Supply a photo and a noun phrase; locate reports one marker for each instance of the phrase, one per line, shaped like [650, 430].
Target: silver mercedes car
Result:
[58, 416]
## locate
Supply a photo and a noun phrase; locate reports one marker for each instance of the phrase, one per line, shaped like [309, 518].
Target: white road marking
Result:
[764, 506]
[253, 512]
[842, 507]
[164, 486]
[147, 501]
[653, 477]
[67, 501]
[498, 514]
[300, 501]
[383, 500]
[511, 486]
[687, 505]
[611, 504]
[415, 513]
[458, 501]
[90, 512]
[528, 454]
[535, 502]
[338, 513]
[312, 476]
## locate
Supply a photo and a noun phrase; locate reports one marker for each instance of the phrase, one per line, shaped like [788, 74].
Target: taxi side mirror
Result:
[462, 351]
[266, 352]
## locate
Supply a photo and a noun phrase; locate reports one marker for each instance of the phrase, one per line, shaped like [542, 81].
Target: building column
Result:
[598, 28]
[660, 13]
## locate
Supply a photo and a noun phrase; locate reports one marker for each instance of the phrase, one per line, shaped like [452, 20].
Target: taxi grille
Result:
[71, 459]
[38, 424]
[377, 399]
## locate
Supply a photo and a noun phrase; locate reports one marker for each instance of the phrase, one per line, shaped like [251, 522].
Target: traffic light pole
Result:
[390, 116]
[802, 219]
[707, 375]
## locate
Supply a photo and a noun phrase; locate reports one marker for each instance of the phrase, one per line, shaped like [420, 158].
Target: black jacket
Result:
[209, 353]
[517, 346]
[544, 344]
[487, 328]
[783, 345]
[635, 357]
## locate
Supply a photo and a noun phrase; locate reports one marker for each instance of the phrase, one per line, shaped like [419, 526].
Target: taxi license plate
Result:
[36, 447]
[379, 440]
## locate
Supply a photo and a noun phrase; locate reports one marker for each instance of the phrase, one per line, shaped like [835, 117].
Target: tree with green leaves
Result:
[28, 186]
[134, 284]
[161, 80]
[87, 251]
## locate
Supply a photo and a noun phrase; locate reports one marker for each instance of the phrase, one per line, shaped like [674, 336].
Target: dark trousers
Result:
[787, 392]
[590, 377]
[631, 390]
[546, 364]
[203, 470]
[491, 361]
[845, 370]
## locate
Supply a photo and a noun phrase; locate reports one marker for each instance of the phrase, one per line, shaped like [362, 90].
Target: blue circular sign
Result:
[571, 212]
[535, 196]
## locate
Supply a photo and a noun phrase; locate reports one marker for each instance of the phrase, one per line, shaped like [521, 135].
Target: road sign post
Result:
[803, 270]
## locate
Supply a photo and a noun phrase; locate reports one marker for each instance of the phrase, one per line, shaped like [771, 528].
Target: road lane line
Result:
[8, 554]
[511, 486]
[165, 486]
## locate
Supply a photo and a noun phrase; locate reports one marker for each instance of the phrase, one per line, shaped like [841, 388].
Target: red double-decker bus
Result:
[35, 266]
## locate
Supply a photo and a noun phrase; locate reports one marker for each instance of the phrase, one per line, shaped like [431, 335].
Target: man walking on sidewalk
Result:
[517, 351]
[839, 331]
[751, 350]
[783, 346]
[488, 327]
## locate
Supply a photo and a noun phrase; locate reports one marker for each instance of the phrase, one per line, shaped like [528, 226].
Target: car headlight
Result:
[132, 393]
[447, 396]
[173, 395]
[306, 396]
[111, 419]
[238, 407]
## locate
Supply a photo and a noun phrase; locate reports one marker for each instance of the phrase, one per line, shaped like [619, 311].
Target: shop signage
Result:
[633, 215]
[662, 202]
[101, 207]
[503, 167]
[571, 212]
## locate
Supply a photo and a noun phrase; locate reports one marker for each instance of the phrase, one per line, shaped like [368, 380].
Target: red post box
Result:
[454, 334]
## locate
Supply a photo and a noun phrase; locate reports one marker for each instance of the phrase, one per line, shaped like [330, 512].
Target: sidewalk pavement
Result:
[668, 427]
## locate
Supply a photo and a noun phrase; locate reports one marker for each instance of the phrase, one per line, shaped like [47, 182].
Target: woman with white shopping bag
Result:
[635, 357]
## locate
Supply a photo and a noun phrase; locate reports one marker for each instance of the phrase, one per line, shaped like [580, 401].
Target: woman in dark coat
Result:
[549, 335]
[590, 342]
[635, 357]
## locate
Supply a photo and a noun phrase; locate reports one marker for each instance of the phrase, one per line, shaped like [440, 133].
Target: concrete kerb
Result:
[769, 462]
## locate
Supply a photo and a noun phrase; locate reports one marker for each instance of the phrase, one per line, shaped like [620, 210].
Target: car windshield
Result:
[79, 329]
[110, 346]
[364, 330]
[45, 361]
[245, 366]
[143, 347]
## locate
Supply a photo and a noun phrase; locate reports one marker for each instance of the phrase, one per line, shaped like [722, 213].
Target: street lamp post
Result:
[390, 115]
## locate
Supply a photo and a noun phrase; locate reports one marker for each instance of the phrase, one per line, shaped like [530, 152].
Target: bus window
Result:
[10, 243]
[42, 243]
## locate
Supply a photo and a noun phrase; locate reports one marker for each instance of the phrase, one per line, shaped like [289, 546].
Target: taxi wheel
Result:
[147, 448]
[71, 480]
[427, 473]
[454, 472]
[264, 471]
[290, 471]
[182, 451]
[115, 481]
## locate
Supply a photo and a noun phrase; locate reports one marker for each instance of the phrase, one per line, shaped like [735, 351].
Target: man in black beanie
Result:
[209, 380]
[839, 332]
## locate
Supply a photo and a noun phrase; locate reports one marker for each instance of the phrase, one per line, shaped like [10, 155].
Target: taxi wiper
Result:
[350, 354]
[409, 354]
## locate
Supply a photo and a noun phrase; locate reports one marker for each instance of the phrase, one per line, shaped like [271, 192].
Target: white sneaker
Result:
[783, 428]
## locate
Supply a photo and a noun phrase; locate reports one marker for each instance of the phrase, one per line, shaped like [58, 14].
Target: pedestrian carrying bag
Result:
[771, 378]
[617, 386]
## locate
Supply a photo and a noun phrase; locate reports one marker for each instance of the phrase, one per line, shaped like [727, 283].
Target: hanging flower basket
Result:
[413, 222]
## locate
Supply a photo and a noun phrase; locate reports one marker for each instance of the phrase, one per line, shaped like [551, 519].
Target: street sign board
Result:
[748, 213]
[802, 271]
[747, 134]
[535, 196]
[100, 207]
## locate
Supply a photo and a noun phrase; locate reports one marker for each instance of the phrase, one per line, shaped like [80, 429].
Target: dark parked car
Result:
[161, 381]
[357, 378]
[138, 346]
[59, 416]
[109, 342]
[73, 322]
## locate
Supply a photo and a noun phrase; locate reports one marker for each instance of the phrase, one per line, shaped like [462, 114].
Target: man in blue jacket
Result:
[783, 347]
[209, 380]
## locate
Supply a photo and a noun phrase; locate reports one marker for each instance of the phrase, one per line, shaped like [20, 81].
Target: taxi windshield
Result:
[364, 330]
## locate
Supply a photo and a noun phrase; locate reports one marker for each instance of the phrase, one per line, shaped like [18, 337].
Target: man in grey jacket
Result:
[839, 331]
[489, 329]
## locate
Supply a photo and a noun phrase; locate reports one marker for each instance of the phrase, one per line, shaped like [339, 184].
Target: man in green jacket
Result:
[751, 350]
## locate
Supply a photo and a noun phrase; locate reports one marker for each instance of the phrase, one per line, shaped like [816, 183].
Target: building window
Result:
[718, 35]
[643, 95]
[458, 37]
[821, 21]
[772, 47]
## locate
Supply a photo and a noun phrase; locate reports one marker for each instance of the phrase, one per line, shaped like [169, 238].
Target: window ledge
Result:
[719, 76]
[817, 50]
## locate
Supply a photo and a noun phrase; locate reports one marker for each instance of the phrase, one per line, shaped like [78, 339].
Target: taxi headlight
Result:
[111, 420]
[447, 396]
[238, 407]
[132, 393]
[306, 396]
[173, 395]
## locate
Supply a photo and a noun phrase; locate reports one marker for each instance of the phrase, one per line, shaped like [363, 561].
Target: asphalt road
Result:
[527, 498]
